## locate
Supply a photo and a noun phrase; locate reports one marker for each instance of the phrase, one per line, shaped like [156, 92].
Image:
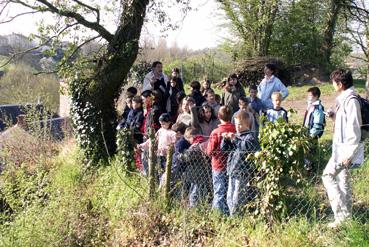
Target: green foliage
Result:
[297, 33]
[252, 22]
[138, 72]
[19, 86]
[21, 188]
[125, 149]
[211, 66]
[283, 147]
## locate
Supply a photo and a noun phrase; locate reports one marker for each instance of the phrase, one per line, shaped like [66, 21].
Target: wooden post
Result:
[168, 169]
[152, 163]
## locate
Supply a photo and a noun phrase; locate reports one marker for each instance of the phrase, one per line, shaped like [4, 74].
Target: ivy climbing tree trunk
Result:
[93, 97]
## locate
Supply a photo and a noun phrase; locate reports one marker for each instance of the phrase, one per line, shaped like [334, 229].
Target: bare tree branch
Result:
[6, 3]
[18, 15]
[49, 7]
[97, 11]
[68, 59]
[37, 47]
[359, 58]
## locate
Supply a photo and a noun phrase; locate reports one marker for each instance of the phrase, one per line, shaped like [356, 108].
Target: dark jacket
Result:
[197, 96]
[230, 96]
[198, 170]
[239, 148]
[134, 121]
[171, 97]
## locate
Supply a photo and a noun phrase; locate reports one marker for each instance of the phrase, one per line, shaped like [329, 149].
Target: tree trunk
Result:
[93, 97]
[367, 61]
[333, 12]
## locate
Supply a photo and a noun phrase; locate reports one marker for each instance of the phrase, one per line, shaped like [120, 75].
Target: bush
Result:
[282, 156]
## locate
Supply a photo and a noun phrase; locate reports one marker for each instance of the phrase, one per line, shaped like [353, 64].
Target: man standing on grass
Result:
[347, 148]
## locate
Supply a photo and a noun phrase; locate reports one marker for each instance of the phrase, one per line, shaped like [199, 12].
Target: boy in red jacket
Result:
[219, 159]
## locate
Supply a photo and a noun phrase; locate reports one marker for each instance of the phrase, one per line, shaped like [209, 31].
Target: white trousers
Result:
[336, 180]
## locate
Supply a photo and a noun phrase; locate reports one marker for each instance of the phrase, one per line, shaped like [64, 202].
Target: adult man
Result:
[347, 148]
[155, 79]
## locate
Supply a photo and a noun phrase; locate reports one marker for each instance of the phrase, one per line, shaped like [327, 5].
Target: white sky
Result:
[200, 28]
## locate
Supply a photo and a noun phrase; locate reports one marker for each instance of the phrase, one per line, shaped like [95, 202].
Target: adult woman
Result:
[269, 85]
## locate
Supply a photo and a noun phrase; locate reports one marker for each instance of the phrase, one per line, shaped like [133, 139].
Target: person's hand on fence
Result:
[228, 136]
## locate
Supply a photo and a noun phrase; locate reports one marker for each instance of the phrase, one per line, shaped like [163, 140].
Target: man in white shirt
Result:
[155, 79]
[347, 147]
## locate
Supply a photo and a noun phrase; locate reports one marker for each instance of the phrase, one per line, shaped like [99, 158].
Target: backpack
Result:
[364, 107]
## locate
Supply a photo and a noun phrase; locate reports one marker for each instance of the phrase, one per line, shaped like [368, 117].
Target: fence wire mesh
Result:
[233, 187]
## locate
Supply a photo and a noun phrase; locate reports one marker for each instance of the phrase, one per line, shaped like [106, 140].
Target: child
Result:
[204, 119]
[195, 93]
[314, 118]
[232, 93]
[211, 100]
[185, 112]
[277, 111]
[255, 102]
[127, 109]
[178, 164]
[244, 105]
[131, 92]
[239, 170]
[198, 171]
[171, 96]
[218, 159]
[134, 119]
[151, 111]
[206, 85]
[164, 137]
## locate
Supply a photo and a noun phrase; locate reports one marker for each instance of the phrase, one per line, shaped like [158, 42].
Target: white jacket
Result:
[347, 129]
[147, 81]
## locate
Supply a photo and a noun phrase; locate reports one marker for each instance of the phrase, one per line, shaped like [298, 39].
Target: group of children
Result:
[212, 137]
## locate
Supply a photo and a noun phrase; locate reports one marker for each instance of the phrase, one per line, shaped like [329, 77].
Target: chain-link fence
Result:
[232, 182]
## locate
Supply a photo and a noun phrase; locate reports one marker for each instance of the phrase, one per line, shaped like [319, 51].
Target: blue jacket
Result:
[314, 119]
[239, 148]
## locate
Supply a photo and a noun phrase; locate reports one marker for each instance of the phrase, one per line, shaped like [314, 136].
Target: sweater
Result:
[218, 158]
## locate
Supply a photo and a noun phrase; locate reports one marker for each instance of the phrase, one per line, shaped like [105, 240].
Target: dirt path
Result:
[300, 104]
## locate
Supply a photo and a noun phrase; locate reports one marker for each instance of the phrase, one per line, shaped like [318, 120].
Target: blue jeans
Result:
[220, 184]
[237, 194]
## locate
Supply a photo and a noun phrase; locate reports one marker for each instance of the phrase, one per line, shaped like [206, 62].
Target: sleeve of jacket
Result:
[227, 145]
[194, 118]
[212, 144]
[282, 88]
[354, 122]
[318, 121]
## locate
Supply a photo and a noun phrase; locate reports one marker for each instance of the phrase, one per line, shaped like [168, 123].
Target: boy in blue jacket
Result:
[314, 121]
[239, 169]
[314, 118]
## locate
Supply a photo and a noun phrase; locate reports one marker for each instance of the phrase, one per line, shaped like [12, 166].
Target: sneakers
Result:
[337, 223]
[334, 225]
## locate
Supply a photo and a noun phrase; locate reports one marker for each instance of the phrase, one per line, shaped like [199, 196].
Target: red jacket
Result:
[218, 159]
